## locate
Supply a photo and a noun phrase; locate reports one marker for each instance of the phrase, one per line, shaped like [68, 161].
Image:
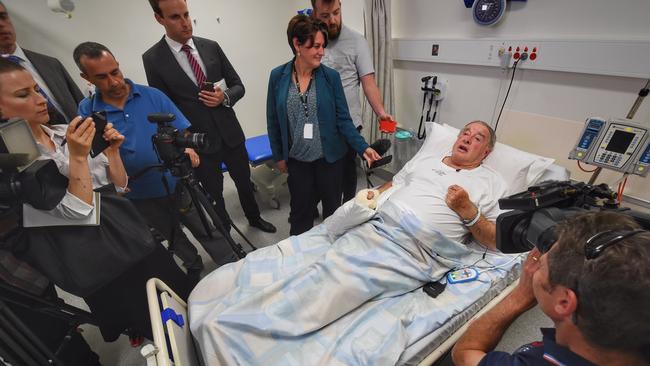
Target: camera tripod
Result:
[201, 202]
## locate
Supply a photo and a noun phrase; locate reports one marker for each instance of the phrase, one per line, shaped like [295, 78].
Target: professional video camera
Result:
[537, 211]
[171, 144]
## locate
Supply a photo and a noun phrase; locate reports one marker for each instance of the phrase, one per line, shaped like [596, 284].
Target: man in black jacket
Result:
[196, 75]
[62, 94]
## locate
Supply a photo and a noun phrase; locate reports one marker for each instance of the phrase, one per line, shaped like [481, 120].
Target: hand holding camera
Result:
[113, 137]
[194, 157]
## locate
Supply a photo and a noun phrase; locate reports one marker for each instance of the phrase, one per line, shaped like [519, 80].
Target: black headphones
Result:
[597, 244]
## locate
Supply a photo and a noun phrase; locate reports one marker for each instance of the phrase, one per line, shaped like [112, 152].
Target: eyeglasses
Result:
[597, 244]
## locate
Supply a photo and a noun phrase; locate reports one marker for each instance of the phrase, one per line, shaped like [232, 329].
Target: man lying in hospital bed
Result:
[341, 293]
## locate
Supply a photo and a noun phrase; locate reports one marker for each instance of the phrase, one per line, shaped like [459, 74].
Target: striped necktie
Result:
[196, 68]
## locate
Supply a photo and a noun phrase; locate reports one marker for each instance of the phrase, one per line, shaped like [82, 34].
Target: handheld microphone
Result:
[381, 146]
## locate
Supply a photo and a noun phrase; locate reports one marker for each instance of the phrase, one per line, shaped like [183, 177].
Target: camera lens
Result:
[193, 141]
[198, 140]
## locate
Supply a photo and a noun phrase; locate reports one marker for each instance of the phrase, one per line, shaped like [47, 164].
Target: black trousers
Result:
[211, 177]
[122, 304]
[162, 215]
[308, 180]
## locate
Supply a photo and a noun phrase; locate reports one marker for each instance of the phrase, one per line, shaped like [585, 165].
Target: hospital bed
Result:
[451, 311]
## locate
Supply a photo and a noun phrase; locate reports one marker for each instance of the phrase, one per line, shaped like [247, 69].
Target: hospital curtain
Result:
[378, 33]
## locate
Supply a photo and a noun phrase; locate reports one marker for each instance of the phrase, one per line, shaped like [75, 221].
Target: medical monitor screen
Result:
[620, 141]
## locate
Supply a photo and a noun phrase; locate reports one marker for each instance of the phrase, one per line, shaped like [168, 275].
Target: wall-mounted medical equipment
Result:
[566, 55]
[61, 6]
[641, 163]
[615, 144]
[434, 90]
[487, 12]
[593, 132]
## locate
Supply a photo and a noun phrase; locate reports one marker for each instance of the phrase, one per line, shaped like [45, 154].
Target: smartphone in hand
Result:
[207, 86]
[381, 162]
[99, 144]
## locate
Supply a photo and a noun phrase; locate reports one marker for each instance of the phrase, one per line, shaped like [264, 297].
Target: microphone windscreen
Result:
[381, 146]
[161, 117]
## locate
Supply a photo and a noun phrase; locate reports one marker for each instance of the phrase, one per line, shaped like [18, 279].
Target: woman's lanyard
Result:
[303, 96]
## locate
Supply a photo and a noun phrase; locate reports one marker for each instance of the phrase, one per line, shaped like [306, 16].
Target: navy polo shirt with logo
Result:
[137, 150]
[543, 353]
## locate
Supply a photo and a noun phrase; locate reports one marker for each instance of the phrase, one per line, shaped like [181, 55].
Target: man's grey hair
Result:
[493, 134]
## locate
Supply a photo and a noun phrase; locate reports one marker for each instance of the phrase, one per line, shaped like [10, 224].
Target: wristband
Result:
[474, 220]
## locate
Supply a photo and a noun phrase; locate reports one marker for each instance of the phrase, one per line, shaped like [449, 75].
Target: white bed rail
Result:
[180, 340]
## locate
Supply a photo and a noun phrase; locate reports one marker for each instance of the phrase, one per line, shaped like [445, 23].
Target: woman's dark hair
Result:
[304, 28]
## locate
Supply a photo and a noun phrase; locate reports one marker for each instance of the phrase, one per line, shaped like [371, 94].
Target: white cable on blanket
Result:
[500, 265]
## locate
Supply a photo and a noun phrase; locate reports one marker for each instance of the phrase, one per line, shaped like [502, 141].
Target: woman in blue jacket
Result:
[309, 124]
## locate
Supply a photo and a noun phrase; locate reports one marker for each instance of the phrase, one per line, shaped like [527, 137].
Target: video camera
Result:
[171, 143]
[536, 212]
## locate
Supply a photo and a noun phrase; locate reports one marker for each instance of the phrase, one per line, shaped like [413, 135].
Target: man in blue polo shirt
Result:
[594, 283]
[127, 106]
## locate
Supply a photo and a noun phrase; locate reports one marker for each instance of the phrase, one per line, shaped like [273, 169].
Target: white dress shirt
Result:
[181, 57]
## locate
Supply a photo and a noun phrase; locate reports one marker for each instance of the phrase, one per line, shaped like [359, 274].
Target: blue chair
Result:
[266, 179]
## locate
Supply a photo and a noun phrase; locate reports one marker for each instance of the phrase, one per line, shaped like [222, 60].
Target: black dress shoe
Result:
[263, 225]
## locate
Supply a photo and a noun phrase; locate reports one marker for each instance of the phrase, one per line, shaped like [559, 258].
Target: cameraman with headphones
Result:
[594, 283]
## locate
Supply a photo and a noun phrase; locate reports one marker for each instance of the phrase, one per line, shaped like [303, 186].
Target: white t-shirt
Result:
[420, 193]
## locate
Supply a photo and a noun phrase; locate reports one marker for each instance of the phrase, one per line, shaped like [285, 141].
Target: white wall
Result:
[473, 90]
[252, 34]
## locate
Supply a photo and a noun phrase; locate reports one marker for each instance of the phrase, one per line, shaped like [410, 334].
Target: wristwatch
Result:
[226, 99]
[474, 220]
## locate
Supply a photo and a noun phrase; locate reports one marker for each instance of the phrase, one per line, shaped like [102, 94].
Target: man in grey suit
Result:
[197, 76]
[62, 94]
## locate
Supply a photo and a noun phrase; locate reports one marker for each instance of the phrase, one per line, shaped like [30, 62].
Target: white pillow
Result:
[518, 168]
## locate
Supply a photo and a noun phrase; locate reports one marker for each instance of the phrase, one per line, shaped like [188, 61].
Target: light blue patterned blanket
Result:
[348, 292]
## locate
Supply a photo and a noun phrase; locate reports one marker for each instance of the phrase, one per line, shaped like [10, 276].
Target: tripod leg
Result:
[242, 235]
[202, 190]
[200, 200]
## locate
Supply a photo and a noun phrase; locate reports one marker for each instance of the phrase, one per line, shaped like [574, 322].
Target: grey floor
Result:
[120, 353]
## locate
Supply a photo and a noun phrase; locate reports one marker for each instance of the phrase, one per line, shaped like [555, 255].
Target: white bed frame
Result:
[184, 350]
[181, 342]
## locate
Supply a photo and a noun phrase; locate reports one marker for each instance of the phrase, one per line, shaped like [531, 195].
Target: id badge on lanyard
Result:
[308, 132]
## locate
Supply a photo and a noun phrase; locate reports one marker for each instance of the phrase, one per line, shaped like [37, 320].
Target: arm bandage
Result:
[362, 198]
